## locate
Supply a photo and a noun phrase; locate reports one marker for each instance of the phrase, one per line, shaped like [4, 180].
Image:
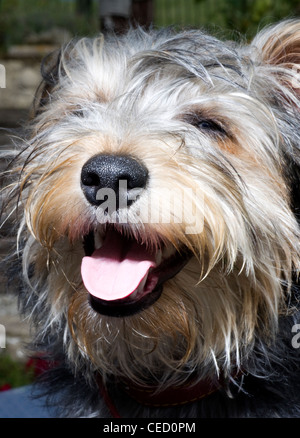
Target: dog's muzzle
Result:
[122, 273]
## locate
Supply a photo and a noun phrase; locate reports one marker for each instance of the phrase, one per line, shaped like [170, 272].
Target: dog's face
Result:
[154, 184]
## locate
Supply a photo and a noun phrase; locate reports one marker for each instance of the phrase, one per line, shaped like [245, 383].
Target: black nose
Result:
[120, 173]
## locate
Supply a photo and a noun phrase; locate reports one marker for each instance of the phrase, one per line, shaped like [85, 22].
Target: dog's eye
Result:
[205, 124]
[209, 126]
[78, 113]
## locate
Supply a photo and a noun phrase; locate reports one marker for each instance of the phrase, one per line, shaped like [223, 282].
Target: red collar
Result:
[173, 395]
[191, 392]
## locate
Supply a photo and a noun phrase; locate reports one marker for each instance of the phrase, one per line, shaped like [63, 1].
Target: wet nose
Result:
[111, 172]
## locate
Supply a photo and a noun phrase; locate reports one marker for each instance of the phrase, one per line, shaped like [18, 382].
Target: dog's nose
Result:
[120, 173]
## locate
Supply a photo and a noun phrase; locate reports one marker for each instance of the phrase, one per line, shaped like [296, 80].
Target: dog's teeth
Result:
[140, 288]
[98, 240]
[158, 258]
[168, 252]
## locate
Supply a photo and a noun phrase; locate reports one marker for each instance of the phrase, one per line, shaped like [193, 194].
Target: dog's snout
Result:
[117, 172]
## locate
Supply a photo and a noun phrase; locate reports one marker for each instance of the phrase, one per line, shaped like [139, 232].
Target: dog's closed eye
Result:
[78, 112]
[210, 126]
[206, 125]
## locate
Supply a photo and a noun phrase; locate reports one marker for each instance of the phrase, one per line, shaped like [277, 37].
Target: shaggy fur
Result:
[218, 122]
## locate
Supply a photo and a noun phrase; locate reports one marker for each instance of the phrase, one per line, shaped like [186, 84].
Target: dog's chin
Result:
[122, 308]
[163, 263]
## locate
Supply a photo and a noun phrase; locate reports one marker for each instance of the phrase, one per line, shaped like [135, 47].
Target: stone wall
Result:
[22, 76]
[22, 79]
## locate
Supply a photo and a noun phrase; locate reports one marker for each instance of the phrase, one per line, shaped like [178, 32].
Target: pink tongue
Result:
[116, 269]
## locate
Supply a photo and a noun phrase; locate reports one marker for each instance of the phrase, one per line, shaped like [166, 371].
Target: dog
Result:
[155, 191]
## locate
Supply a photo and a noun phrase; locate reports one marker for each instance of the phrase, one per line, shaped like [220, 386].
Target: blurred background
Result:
[29, 29]
[24, 21]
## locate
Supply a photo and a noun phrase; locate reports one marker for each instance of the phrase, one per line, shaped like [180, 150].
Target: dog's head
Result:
[154, 185]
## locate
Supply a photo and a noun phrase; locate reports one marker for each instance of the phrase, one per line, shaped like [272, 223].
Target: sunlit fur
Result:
[139, 95]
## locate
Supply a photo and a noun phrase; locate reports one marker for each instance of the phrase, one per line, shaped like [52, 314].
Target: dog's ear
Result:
[277, 48]
[50, 71]
[50, 67]
[276, 53]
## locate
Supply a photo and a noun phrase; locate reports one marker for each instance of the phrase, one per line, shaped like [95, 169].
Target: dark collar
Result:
[190, 392]
[171, 396]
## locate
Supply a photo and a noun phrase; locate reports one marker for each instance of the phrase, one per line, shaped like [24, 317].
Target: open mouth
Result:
[123, 275]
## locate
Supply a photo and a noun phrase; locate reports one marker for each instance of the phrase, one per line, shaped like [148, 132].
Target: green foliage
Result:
[14, 373]
[246, 16]
[20, 18]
